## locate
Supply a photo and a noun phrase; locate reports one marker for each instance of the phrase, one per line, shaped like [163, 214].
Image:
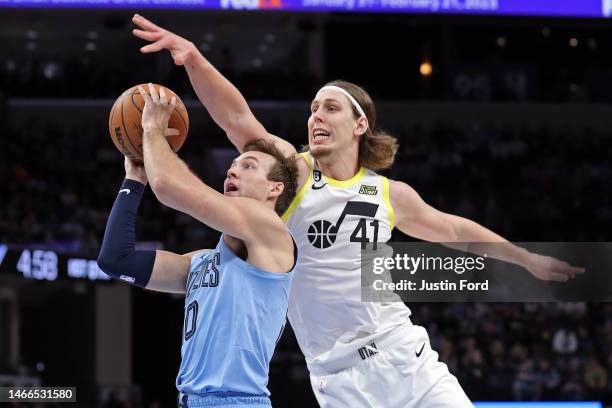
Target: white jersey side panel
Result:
[329, 219]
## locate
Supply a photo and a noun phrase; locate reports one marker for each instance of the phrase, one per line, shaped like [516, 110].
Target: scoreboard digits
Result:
[47, 265]
[38, 264]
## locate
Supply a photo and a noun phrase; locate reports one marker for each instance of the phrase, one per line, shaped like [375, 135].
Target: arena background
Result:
[503, 119]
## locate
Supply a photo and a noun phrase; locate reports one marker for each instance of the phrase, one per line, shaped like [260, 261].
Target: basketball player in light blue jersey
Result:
[236, 295]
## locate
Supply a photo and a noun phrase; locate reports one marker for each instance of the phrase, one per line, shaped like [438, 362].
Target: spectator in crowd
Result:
[526, 386]
[549, 378]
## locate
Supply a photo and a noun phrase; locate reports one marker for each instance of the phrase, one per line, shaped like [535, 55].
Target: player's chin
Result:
[319, 150]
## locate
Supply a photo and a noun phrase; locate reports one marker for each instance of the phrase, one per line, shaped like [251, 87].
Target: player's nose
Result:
[316, 116]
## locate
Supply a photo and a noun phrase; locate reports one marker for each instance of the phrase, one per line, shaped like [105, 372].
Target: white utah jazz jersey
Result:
[329, 220]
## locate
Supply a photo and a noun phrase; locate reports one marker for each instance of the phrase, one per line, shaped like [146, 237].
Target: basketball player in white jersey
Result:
[359, 354]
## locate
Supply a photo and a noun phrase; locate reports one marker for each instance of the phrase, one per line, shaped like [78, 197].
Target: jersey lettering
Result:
[322, 234]
[191, 319]
[206, 276]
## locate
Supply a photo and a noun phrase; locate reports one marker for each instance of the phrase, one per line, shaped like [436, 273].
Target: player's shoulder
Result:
[401, 192]
[400, 186]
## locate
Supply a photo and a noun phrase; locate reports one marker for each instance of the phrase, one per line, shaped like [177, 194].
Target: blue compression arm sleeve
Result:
[118, 257]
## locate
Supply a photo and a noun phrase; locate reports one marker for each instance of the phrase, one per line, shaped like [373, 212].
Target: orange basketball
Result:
[125, 126]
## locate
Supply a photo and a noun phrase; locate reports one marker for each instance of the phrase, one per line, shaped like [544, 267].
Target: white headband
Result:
[348, 95]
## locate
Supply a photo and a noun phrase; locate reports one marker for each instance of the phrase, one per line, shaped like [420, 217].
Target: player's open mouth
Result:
[320, 135]
[230, 188]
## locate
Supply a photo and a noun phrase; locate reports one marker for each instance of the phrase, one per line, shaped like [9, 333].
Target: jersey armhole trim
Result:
[387, 200]
[300, 195]
[306, 156]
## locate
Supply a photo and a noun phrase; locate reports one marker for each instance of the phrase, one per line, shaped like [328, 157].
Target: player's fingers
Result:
[153, 93]
[163, 99]
[564, 267]
[147, 35]
[171, 132]
[144, 94]
[571, 271]
[558, 277]
[173, 102]
[156, 46]
[142, 22]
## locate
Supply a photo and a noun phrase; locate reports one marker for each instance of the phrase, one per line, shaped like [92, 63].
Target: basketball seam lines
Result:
[134, 103]
[126, 130]
[181, 116]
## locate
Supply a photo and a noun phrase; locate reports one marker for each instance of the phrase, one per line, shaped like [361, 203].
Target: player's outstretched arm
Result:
[418, 219]
[220, 97]
[157, 270]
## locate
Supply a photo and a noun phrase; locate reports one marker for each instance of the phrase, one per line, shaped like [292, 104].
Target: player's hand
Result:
[551, 269]
[135, 171]
[157, 110]
[180, 48]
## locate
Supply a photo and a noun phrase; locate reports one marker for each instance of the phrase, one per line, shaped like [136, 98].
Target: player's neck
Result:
[339, 168]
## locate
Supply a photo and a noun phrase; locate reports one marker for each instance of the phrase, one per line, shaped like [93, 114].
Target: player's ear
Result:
[277, 188]
[362, 126]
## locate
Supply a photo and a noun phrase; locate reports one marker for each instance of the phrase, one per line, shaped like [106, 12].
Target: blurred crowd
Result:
[59, 184]
[528, 184]
[32, 76]
[37, 77]
[524, 352]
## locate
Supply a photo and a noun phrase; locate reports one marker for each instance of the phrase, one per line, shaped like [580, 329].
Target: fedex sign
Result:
[607, 8]
[251, 4]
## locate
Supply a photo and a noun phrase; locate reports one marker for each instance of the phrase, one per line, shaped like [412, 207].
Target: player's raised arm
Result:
[418, 219]
[177, 187]
[220, 97]
[157, 270]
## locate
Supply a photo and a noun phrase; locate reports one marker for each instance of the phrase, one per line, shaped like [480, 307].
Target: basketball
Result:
[124, 122]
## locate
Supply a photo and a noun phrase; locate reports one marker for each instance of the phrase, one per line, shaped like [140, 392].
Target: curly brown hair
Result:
[377, 148]
[284, 170]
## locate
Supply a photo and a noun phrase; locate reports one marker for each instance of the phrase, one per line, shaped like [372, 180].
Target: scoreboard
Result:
[47, 265]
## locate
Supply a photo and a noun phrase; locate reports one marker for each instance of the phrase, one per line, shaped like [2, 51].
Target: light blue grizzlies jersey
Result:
[234, 316]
